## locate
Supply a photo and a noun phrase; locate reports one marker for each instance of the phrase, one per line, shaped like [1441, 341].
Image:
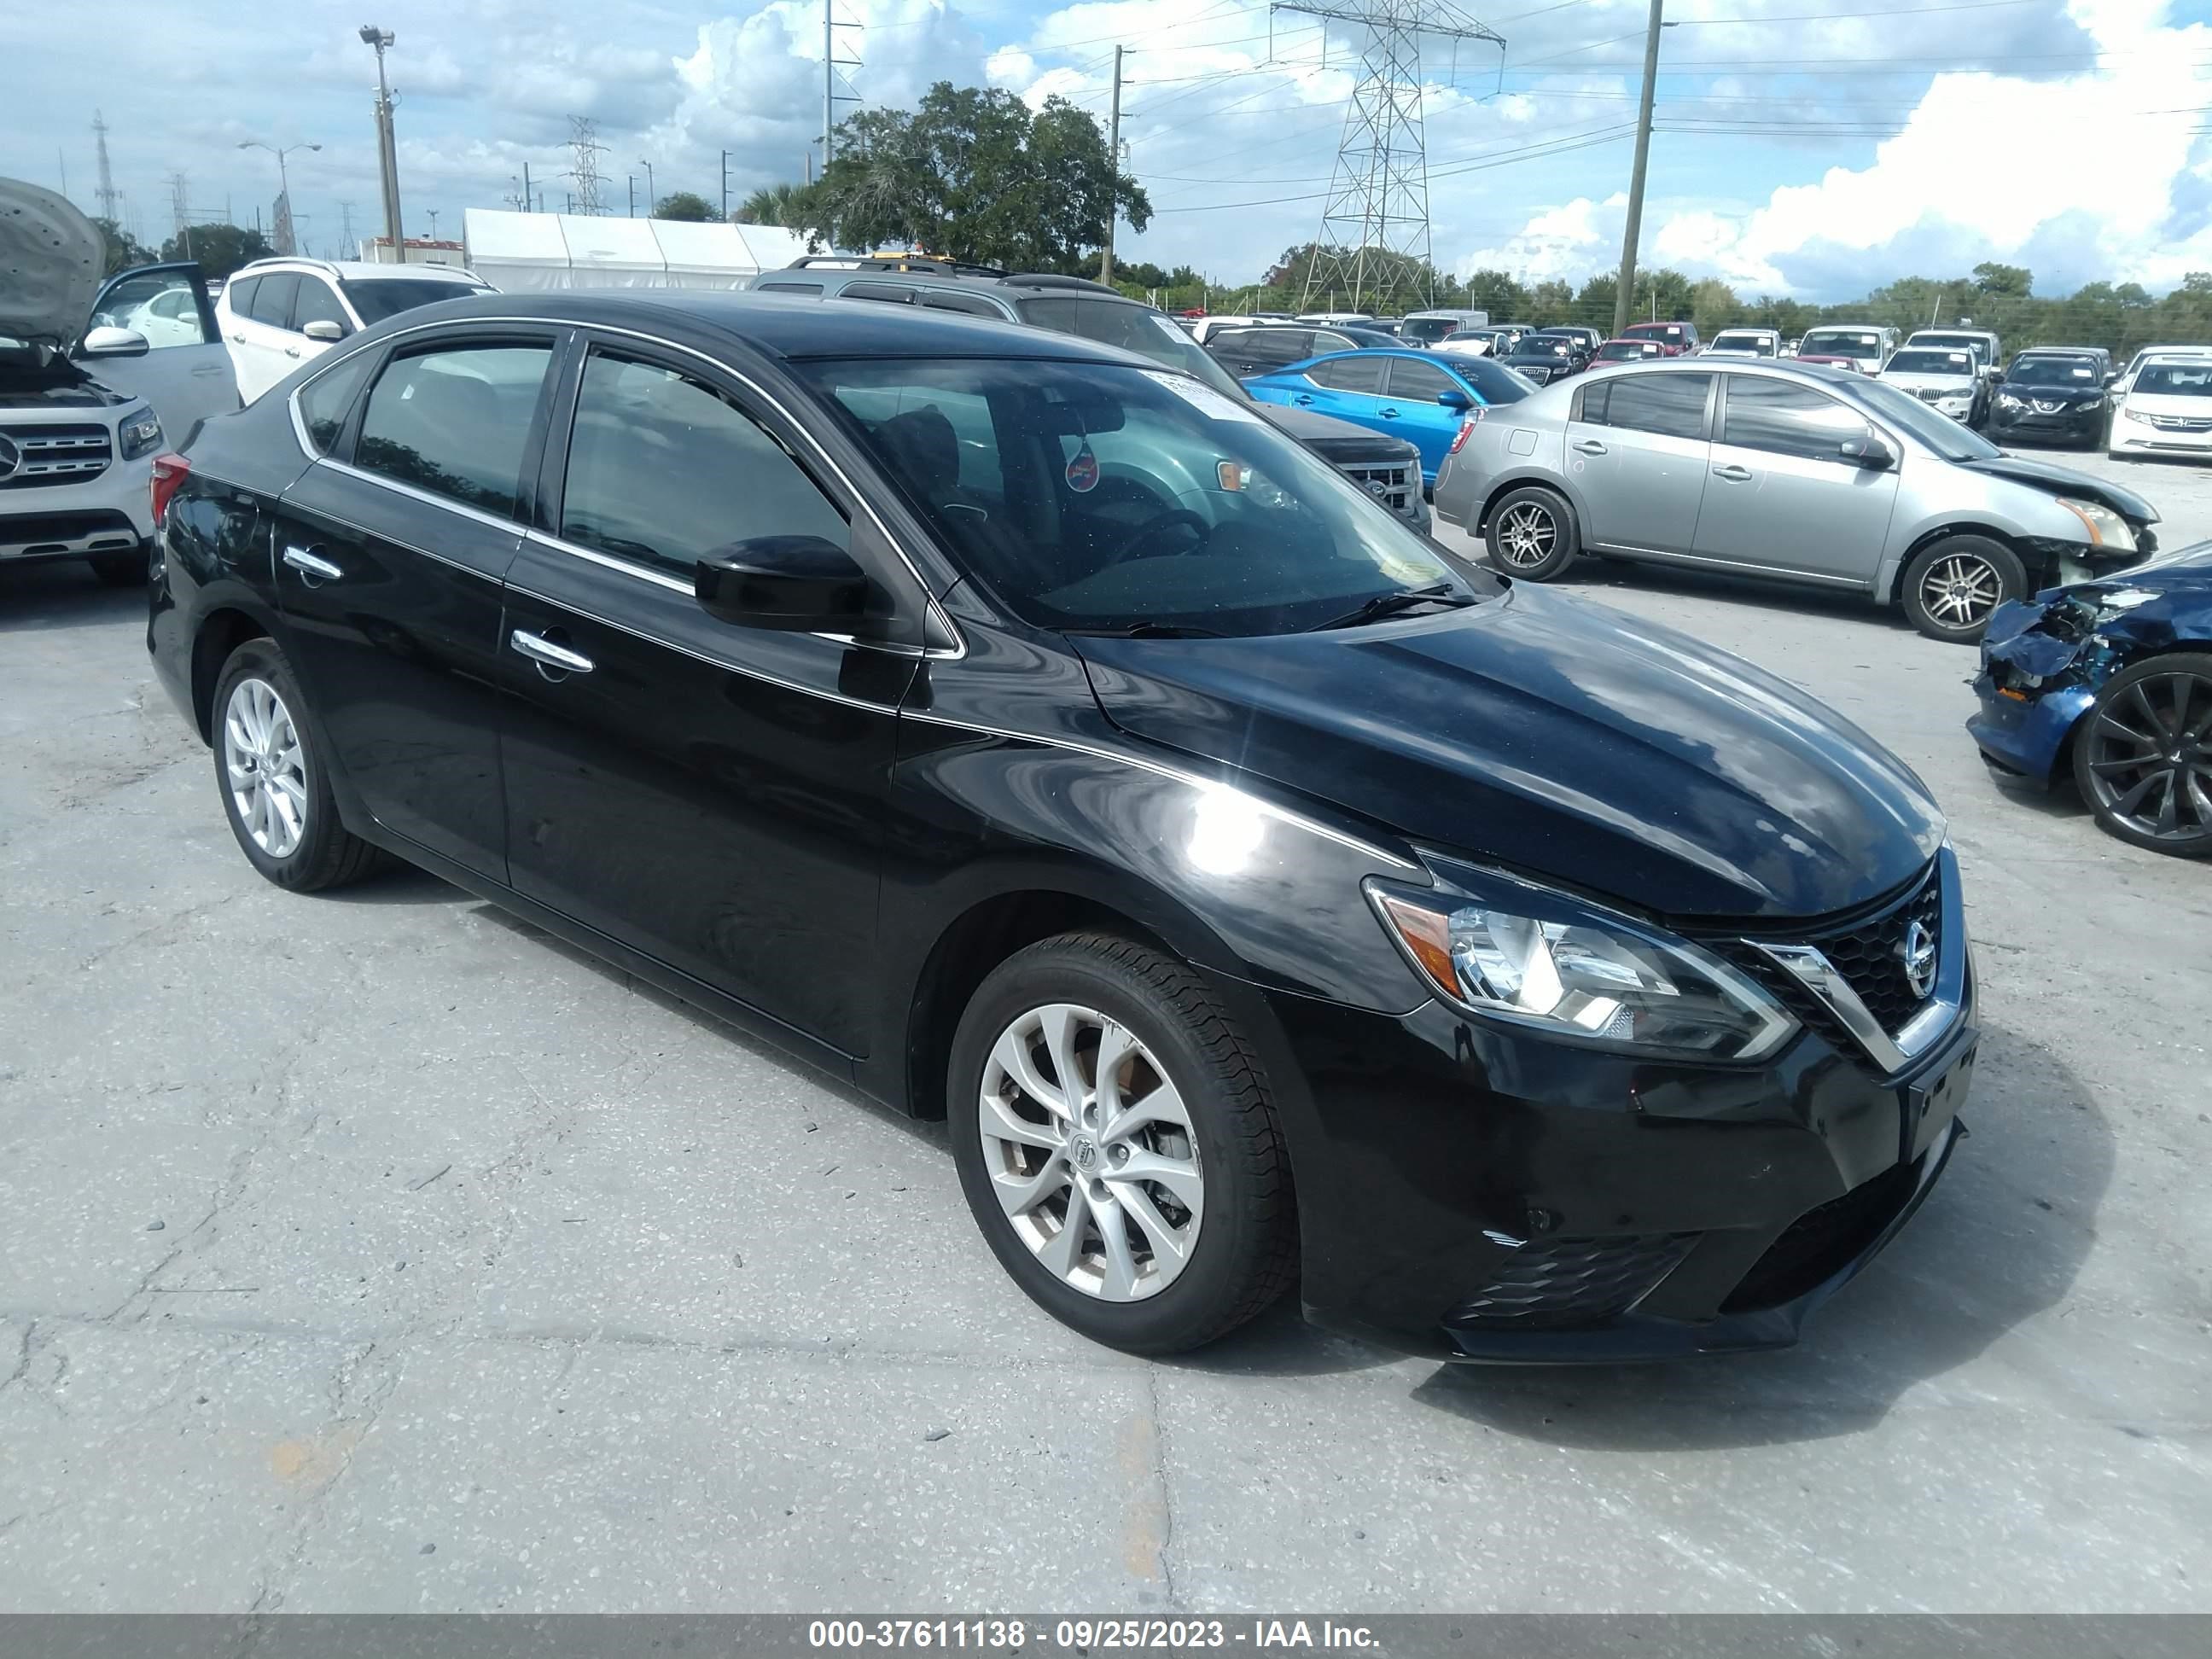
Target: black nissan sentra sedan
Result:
[1040, 740]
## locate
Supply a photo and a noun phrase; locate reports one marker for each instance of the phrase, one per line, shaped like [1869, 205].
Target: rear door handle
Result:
[1588, 447]
[1302, 398]
[548, 653]
[238, 339]
[1389, 412]
[312, 565]
[291, 351]
[1733, 474]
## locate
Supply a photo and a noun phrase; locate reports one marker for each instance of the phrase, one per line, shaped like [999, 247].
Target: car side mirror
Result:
[325, 330]
[1452, 398]
[114, 342]
[793, 584]
[1872, 453]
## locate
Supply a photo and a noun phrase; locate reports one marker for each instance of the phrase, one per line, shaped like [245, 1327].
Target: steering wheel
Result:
[1174, 515]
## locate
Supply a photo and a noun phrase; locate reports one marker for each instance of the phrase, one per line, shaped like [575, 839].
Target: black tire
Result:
[1964, 579]
[1244, 1255]
[121, 569]
[1532, 534]
[2128, 780]
[326, 854]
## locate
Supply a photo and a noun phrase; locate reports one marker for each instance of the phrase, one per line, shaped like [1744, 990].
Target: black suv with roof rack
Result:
[1387, 467]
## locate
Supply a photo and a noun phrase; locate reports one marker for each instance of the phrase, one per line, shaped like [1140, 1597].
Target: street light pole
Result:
[649, 197]
[387, 150]
[283, 180]
[1625, 294]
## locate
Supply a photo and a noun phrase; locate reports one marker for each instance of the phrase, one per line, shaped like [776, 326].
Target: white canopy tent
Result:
[534, 252]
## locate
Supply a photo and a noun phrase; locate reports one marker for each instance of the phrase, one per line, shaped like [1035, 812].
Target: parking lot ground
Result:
[374, 1252]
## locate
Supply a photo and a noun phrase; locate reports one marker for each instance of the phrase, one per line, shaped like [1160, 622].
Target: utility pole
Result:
[1625, 294]
[526, 208]
[650, 198]
[726, 186]
[387, 149]
[1114, 168]
[630, 180]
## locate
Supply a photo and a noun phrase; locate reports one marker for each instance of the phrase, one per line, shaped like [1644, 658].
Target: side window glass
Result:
[326, 401]
[1786, 419]
[318, 302]
[1362, 374]
[962, 303]
[240, 294]
[1672, 405]
[160, 305]
[455, 421]
[1418, 383]
[272, 301]
[889, 291]
[663, 471]
[814, 289]
[1591, 402]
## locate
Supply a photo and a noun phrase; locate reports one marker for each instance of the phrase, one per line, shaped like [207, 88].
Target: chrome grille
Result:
[48, 455]
[1394, 484]
[1866, 952]
[2182, 423]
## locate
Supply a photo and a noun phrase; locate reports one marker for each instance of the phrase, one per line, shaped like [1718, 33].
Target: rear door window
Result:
[240, 294]
[1362, 374]
[272, 301]
[455, 421]
[1671, 405]
[891, 291]
[967, 303]
[326, 400]
[664, 470]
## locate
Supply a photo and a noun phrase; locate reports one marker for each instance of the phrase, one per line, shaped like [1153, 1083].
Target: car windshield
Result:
[1971, 343]
[1758, 343]
[1133, 328]
[2175, 379]
[1938, 431]
[1670, 332]
[1854, 343]
[1426, 330]
[2053, 371]
[378, 297]
[1545, 345]
[1623, 351]
[1931, 363]
[1093, 497]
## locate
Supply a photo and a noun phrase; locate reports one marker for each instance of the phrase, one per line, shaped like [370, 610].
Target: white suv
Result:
[95, 381]
[274, 315]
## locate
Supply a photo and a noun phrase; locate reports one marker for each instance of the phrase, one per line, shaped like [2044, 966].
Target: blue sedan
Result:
[1419, 395]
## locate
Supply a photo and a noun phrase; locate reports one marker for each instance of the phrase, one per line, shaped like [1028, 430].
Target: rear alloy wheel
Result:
[1117, 1145]
[1955, 584]
[2143, 759]
[1532, 534]
[274, 792]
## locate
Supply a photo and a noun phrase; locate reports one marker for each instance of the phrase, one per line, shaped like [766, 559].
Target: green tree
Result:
[684, 204]
[123, 250]
[784, 205]
[220, 249]
[973, 174]
[1497, 293]
[2006, 281]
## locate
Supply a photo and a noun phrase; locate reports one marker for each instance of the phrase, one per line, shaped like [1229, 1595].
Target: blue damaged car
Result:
[2111, 680]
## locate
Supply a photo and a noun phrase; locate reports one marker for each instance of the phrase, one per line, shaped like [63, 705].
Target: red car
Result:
[1676, 339]
[1628, 351]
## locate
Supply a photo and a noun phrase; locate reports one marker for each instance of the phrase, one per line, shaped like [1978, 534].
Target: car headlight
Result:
[2006, 400]
[2127, 414]
[1509, 950]
[2106, 528]
[139, 436]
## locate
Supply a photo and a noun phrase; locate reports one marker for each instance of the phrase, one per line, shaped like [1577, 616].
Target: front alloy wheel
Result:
[2143, 761]
[1953, 586]
[1090, 1152]
[1117, 1144]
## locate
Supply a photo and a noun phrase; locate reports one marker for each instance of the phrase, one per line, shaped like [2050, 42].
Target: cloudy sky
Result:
[1811, 147]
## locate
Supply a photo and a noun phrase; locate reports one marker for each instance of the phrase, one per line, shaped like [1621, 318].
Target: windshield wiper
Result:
[1144, 630]
[1389, 604]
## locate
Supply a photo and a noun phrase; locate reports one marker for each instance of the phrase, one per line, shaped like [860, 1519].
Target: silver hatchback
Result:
[1796, 472]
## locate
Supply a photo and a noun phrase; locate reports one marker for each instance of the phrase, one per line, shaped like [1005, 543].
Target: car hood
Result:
[1331, 439]
[51, 260]
[1556, 736]
[2170, 402]
[2065, 481]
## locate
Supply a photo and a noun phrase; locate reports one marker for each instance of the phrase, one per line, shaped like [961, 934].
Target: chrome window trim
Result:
[938, 612]
[1809, 966]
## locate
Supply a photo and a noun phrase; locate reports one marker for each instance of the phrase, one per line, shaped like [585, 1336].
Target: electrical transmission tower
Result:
[106, 192]
[1377, 220]
[584, 146]
[830, 65]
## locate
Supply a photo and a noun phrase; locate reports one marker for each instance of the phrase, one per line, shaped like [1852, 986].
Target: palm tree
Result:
[781, 204]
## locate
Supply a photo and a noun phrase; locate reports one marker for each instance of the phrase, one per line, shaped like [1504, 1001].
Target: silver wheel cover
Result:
[1088, 1144]
[1961, 590]
[1525, 535]
[262, 759]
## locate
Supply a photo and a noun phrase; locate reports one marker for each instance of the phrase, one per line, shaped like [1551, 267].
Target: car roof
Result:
[357, 270]
[792, 327]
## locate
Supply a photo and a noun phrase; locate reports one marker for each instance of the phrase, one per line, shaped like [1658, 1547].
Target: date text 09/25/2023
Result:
[1089, 1635]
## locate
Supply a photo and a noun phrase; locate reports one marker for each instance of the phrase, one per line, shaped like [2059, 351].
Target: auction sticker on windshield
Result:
[1202, 398]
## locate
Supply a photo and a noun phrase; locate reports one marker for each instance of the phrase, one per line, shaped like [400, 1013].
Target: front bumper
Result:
[113, 514]
[2134, 437]
[2023, 734]
[1471, 1192]
[2083, 424]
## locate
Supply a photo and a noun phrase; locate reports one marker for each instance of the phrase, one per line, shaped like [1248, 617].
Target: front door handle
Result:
[1588, 446]
[238, 339]
[1389, 412]
[312, 565]
[291, 351]
[1733, 474]
[548, 653]
[1302, 398]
